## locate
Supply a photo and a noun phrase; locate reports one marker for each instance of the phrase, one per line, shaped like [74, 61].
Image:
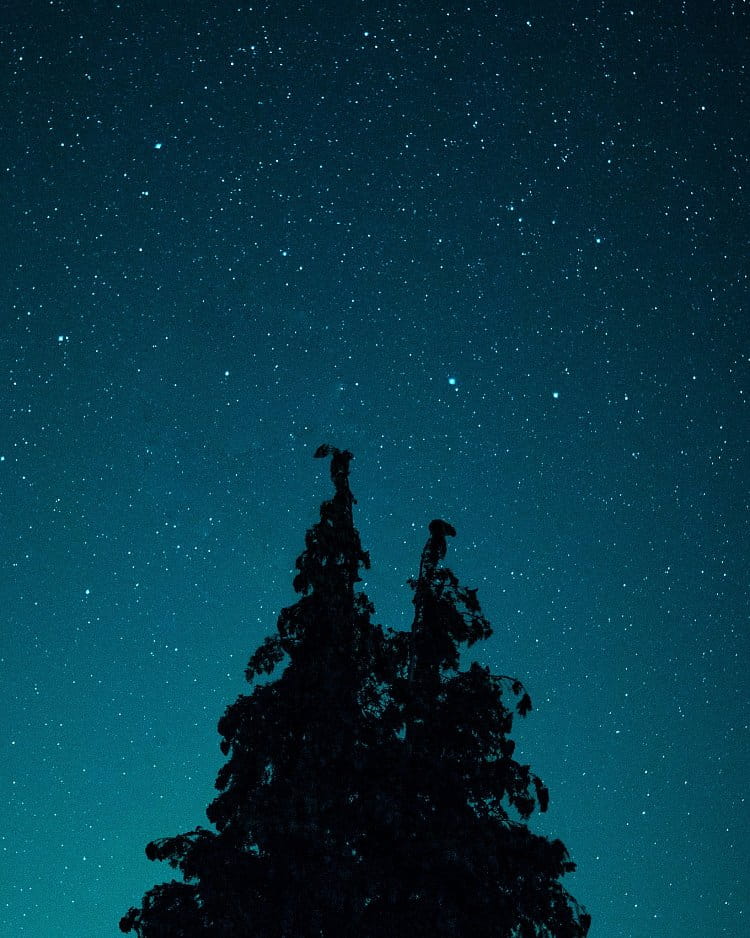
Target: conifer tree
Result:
[464, 862]
[283, 859]
[368, 789]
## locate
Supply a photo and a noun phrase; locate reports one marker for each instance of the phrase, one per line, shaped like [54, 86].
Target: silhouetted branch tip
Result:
[440, 528]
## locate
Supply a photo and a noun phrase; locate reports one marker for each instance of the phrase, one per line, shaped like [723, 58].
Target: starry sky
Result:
[498, 250]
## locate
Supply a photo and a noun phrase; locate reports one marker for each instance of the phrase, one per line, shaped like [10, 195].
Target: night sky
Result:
[498, 250]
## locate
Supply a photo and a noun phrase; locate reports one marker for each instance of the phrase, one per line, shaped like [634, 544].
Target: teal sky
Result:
[498, 252]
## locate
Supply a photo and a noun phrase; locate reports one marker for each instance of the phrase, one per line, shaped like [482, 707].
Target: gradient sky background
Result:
[498, 250]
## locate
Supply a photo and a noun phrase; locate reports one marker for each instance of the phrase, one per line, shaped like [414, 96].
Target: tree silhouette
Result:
[369, 789]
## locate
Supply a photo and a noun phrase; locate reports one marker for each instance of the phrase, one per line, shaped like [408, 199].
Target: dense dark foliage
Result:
[371, 789]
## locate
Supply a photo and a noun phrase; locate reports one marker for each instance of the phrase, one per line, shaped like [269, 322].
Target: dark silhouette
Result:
[369, 789]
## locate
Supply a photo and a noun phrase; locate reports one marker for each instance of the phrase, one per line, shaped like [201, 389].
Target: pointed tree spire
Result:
[333, 543]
